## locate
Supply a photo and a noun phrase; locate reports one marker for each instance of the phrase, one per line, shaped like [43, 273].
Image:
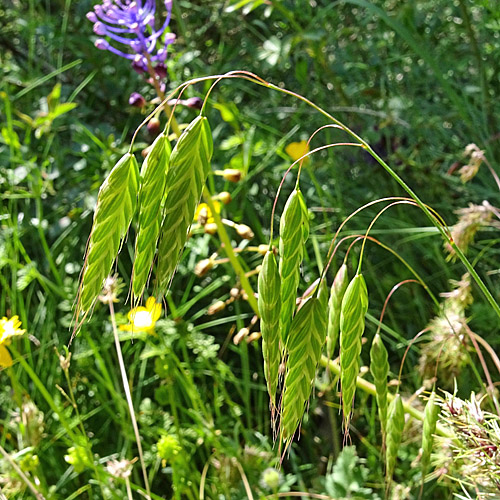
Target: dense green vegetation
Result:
[418, 81]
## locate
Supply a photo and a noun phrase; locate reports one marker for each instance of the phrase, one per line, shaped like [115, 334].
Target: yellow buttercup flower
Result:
[203, 214]
[297, 149]
[143, 319]
[8, 329]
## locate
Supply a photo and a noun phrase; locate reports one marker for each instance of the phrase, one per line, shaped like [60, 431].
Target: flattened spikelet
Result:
[294, 231]
[379, 368]
[269, 312]
[336, 295]
[430, 420]
[306, 338]
[352, 325]
[116, 204]
[153, 178]
[395, 427]
[189, 166]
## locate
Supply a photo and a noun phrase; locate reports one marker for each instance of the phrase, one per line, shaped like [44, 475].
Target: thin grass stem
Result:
[130, 403]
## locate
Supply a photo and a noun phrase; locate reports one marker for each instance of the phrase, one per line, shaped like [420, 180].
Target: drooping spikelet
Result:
[305, 340]
[294, 231]
[154, 173]
[116, 204]
[269, 311]
[352, 326]
[189, 166]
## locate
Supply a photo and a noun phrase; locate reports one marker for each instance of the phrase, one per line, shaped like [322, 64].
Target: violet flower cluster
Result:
[131, 23]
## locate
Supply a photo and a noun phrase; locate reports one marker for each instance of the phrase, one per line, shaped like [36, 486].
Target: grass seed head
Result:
[352, 325]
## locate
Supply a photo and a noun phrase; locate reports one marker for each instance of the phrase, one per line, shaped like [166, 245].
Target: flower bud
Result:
[231, 174]
[234, 292]
[203, 215]
[216, 307]
[240, 335]
[194, 102]
[139, 65]
[225, 197]
[161, 70]
[91, 17]
[101, 44]
[136, 100]
[146, 151]
[203, 267]
[210, 228]
[244, 231]
[153, 126]
[99, 29]
[252, 337]
[262, 249]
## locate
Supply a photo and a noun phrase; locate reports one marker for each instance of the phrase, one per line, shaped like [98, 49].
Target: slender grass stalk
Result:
[128, 395]
[21, 474]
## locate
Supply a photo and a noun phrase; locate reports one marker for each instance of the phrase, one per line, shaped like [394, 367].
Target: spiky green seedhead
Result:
[154, 173]
[352, 325]
[269, 304]
[294, 231]
[116, 204]
[379, 367]
[305, 341]
[431, 415]
[395, 427]
[189, 167]
[337, 291]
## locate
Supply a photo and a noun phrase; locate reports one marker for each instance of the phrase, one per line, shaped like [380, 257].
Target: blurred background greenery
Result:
[418, 80]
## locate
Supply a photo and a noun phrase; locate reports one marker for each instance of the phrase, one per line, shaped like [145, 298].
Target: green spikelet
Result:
[116, 204]
[379, 368]
[294, 231]
[153, 177]
[430, 420]
[352, 325]
[306, 338]
[336, 295]
[395, 427]
[189, 167]
[269, 312]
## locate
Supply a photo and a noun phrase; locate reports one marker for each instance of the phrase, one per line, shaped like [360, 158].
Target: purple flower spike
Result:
[132, 24]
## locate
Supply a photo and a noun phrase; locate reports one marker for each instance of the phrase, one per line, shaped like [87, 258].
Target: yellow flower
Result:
[297, 149]
[143, 319]
[8, 329]
[204, 211]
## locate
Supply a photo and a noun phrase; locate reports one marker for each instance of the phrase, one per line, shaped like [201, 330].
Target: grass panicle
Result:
[116, 205]
[395, 427]
[337, 291]
[189, 167]
[352, 325]
[154, 173]
[429, 428]
[294, 231]
[269, 312]
[379, 368]
[305, 342]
